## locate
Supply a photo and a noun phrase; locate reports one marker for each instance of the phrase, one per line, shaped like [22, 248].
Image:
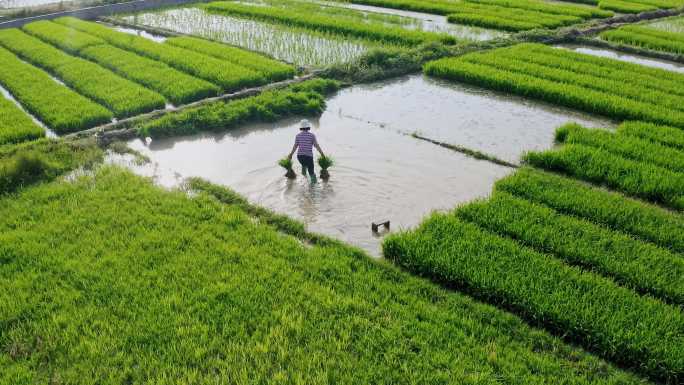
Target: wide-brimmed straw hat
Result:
[304, 124]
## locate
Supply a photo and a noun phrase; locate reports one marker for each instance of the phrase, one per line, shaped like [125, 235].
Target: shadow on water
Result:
[380, 172]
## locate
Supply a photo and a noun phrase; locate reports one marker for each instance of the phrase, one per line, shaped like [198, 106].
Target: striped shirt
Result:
[305, 141]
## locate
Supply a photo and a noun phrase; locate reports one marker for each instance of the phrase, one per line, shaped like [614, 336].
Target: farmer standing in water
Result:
[305, 141]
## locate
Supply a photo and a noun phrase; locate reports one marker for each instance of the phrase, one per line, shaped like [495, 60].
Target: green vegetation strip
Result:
[61, 37]
[623, 145]
[176, 86]
[230, 77]
[306, 98]
[328, 23]
[123, 97]
[666, 136]
[54, 104]
[609, 209]
[610, 320]
[272, 69]
[641, 180]
[200, 292]
[15, 125]
[646, 38]
[499, 14]
[639, 265]
[522, 70]
[42, 160]
[632, 6]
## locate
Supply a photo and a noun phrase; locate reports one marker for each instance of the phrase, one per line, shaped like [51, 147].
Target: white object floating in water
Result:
[148, 140]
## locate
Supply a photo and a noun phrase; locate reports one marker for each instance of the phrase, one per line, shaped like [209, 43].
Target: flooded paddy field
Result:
[291, 45]
[630, 58]
[381, 172]
[673, 24]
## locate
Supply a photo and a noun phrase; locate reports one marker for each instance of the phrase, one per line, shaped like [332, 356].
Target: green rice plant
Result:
[325, 162]
[628, 147]
[23, 169]
[176, 86]
[633, 75]
[15, 125]
[230, 77]
[208, 289]
[666, 136]
[542, 19]
[584, 92]
[54, 104]
[646, 38]
[553, 9]
[641, 180]
[323, 23]
[639, 265]
[609, 209]
[286, 163]
[303, 99]
[123, 97]
[612, 321]
[518, 64]
[625, 6]
[60, 36]
[488, 21]
[272, 69]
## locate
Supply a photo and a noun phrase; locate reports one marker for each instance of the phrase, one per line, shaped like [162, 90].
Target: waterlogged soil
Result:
[141, 33]
[289, 45]
[496, 124]
[427, 22]
[630, 58]
[381, 171]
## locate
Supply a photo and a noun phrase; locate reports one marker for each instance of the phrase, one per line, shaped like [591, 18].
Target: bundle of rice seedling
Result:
[286, 163]
[325, 162]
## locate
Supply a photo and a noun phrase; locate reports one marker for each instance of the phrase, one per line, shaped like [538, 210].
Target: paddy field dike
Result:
[529, 155]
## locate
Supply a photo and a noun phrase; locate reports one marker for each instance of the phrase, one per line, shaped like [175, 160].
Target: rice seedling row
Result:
[178, 87]
[626, 146]
[612, 210]
[272, 69]
[123, 97]
[578, 91]
[646, 38]
[518, 64]
[639, 265]
[672, 24]
[631, 6]
[228, 76]
[305, 98]
[60, 108]
[663, 135]
[221, 284]
[641, 180]
[61, 37]
[325, 23]
[613, 321]
[498, 14]
[15, 125]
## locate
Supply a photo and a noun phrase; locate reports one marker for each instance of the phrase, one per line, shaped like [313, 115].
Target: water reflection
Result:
[636, 59]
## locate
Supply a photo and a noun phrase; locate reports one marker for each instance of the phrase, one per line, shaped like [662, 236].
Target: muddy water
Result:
[612, 54]
[290, 45]
[501, 125]
[380, 172]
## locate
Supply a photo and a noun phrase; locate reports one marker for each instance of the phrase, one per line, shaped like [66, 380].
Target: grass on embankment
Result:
[609, 209]
[626, 92]
[43, 160]
[306, 98]
[610, 320]
[639, 265]
[110, 279]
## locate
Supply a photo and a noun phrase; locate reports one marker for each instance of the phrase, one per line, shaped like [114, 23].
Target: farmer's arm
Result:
[294, 148]
[318, 147]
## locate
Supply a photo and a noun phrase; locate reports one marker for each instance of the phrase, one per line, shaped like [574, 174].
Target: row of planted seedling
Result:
[110, 74]
[646, 37]
[604, 86]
